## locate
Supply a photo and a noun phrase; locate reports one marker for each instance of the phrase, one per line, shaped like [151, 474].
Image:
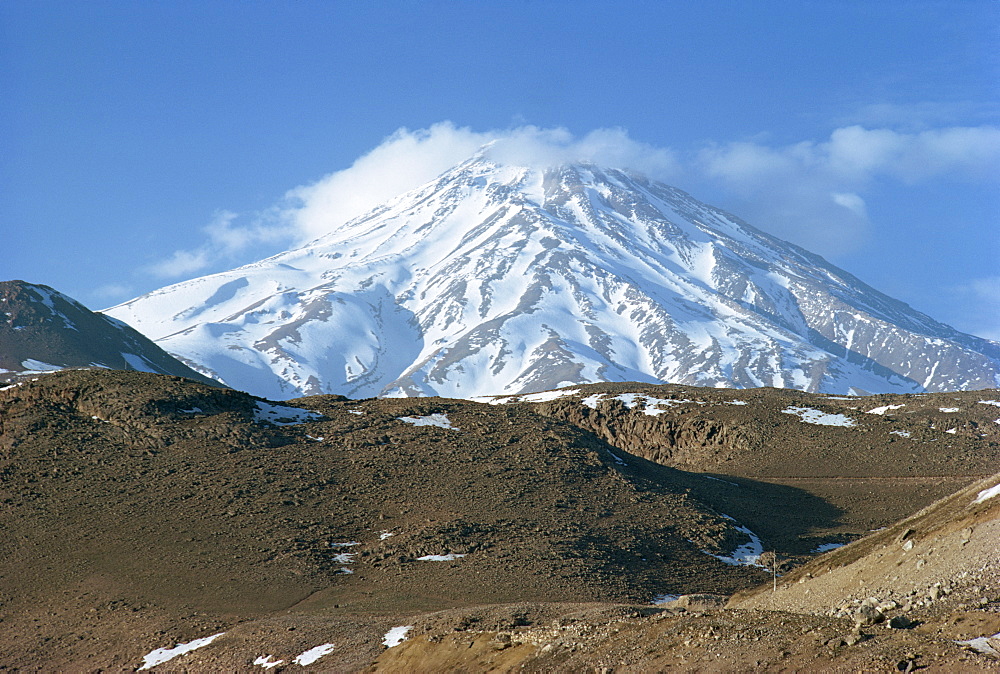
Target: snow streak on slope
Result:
[499, 279]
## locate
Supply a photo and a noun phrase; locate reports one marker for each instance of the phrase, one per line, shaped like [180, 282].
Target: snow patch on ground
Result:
[440, 558]
[995, 403]
[396, 636]
[280, 415]
[312, 655]
[138, 363]
[266, 662]
[827, 547]
[902, 434]
[745, 555]
[618, 459]
[811, 416]
[884, 409]
[664, 599]
[651, 406]
[161, 655]
[737, 402]
[384, 535]
[950, 410]
[33, 365]
[546, 396]
[344, 557]
[987, 494]
[439, 420]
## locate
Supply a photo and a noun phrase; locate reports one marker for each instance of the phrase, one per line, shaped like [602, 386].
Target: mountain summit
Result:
[496, 278]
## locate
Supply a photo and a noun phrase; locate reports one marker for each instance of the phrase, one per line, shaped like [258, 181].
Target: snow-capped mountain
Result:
[43, 330]
[496, 278]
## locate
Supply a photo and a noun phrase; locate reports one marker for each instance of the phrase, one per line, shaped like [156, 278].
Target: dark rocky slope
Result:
[41, 330]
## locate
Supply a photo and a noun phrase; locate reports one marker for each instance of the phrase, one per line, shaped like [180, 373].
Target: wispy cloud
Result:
[224, 239]
[983, 299]
[813, 192]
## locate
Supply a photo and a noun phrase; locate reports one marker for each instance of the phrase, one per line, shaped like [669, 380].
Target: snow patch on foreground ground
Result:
[665, 599]
[161, 655]
[440, 558]
[396, 636]
[987, 494]
[280, 415]
[885, 408]
[266, 662]
[652, 406]
[546, 396]
[312, 655]
[439, 420]
[811, 416]
[747, 554]
[827, 547]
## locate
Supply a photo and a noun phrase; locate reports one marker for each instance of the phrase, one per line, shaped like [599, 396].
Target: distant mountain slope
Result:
[500, 278]
[43, 330]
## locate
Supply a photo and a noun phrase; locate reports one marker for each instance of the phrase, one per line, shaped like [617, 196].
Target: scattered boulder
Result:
[700, 602]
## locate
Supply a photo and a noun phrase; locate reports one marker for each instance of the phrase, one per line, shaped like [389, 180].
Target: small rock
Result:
[901, 622]
[868, 615]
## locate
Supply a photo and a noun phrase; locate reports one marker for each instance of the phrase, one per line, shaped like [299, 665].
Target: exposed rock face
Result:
[509, 279]
[43, 330]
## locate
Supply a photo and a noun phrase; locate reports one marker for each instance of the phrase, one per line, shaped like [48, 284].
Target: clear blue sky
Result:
[866, 131]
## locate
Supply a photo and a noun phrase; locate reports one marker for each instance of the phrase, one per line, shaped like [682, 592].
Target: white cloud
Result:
[408, 159]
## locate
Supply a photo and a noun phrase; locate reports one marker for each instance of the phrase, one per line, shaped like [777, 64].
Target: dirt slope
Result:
[137, 504]
[144, 511]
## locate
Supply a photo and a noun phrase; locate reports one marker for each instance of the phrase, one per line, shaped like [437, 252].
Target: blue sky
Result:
[142, 143]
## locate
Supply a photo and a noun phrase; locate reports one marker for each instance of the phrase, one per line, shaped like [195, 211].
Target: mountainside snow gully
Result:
[500, 279]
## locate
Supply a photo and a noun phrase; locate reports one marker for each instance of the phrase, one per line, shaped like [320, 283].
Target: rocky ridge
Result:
[42, 330]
